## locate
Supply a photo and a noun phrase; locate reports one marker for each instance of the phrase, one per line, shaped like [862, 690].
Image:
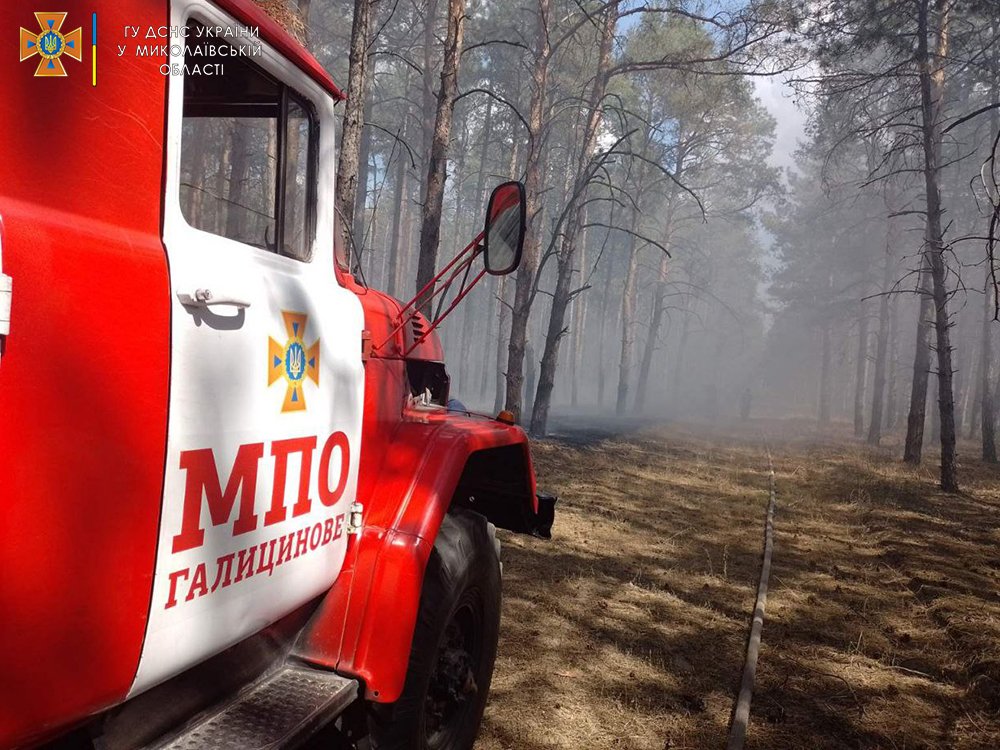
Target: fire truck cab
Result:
[235, 508]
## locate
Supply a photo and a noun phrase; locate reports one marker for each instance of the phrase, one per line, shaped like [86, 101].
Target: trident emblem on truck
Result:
[51, 44]
[293, 361]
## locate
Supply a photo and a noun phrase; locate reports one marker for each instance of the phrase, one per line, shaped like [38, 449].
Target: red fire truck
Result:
[235, 507]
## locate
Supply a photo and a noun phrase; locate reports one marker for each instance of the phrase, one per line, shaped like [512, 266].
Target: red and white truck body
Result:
[204, 444]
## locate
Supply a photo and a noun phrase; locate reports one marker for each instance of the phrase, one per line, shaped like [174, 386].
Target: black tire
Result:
[454, 644]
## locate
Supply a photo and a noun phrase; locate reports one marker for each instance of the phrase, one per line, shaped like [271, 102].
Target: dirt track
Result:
[628, 629]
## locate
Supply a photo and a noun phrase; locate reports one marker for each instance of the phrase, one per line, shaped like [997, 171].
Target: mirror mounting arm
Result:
[432, 289]
[440, 318]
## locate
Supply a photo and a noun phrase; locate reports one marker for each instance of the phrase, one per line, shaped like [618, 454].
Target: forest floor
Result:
[628, 629]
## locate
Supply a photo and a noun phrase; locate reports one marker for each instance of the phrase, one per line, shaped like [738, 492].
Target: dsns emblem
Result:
[51, 44]
[293, 361]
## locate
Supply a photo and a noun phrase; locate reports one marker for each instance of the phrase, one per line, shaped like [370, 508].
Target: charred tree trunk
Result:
[554, 333]
[913, 449]
[530, 375]
[931, 100]
[437, 168]
[428, 101]
[533, 184]
[350, 142]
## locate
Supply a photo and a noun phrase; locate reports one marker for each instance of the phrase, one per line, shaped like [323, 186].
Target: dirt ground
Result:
[628, 629]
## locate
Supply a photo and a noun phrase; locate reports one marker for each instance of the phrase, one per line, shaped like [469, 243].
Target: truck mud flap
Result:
[546, 515]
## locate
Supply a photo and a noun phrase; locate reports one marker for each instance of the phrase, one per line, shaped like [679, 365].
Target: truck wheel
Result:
[454, 644]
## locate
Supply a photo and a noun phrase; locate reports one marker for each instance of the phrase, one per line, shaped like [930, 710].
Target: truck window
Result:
[248, 154]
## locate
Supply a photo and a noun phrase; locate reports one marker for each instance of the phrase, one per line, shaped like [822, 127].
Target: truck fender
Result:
[364, 626]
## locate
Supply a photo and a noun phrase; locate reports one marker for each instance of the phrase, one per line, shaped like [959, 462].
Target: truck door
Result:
[266, 381]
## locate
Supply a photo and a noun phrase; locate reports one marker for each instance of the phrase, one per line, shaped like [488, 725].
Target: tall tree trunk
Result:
[913, 449]
[882, 343]
[364, 155]
[974, 394]
[486, 370]
[892, 396]
[660, 290]
[964, 362]
[861, 372]
[398, 217]
[533, 186]
[988, 417]
[628, 321]
[579, 319]
[428, 100]
[553, 335]
[824, 377]
[988, 408]
[531, 373]
[676, 381]
[935, 413]
[503, 318]
[437, 168]
[502, 305]
[350, 141]
[568, 246]
[932, 82]
[460, 238]
[603, 323]
[655, 321]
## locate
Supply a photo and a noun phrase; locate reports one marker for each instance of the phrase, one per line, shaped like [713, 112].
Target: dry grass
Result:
[628, 629]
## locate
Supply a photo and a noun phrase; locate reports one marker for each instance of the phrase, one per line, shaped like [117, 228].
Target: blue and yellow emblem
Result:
[51, 44]
[293, 361]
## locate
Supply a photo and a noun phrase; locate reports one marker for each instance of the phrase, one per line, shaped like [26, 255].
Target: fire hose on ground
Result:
[741, 711]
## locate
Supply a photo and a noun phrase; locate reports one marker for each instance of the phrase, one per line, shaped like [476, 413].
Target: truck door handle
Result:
[205, 298]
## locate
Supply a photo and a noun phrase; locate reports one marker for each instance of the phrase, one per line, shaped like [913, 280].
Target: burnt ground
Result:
[628, 629]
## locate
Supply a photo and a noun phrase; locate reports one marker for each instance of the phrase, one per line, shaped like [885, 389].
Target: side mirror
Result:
[505, 226]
